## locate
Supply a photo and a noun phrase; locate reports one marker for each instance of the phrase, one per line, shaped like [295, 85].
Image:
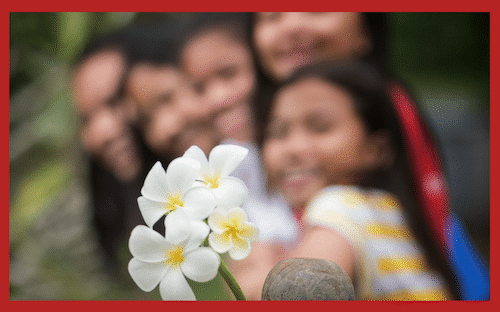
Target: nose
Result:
[297, 144]
[193, 110]
[218, 97]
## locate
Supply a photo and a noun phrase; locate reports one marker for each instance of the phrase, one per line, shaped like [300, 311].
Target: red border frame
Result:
[259, 5]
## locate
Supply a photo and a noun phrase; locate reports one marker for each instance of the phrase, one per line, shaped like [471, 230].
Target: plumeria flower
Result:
[158, 260]
[232, 232]
[172, 193]
[215, 171]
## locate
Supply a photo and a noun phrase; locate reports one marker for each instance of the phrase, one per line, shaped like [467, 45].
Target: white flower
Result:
[232, 232]
[215, 171]
[172, 193]
[157, 260]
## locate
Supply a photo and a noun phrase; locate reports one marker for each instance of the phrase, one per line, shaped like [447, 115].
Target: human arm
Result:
[323, 243]
[251, 272]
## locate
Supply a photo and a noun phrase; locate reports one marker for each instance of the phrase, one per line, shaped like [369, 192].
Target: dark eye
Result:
[199, 87]
[319, 124]
[277, 130]
[165, 98]
[228, 72]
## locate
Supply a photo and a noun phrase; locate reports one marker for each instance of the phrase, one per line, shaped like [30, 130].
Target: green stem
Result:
[231, 281]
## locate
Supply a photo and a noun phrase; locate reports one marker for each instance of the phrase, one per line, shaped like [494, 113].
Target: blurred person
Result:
[119, 158]
[75, 249]
[333, 148]
[217, 57]
[171, 114]
[286, 41]
[106, 116]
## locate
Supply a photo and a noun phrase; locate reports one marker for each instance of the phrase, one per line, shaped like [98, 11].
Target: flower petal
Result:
[201, 264]
[194, 152]
[199, 202]
[224, 158]
[146, 275]
[199, 232]
[232, 192]
[181, 174]
[220, 242]
[250, 232]
[240, 250]
[151, 210]
[155, 185]
[237, 215]
[174, 286]
[147, 245]
[177, 227]
[217, 220]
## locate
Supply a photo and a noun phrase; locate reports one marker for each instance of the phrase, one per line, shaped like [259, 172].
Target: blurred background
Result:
[443, 57]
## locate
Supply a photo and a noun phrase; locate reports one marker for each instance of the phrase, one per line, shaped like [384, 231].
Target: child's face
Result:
[315, 138]
[172, 115]
[106, 118]
[222, 70]
[286, 41]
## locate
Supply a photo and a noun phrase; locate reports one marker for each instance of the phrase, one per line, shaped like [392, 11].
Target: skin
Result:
[106, 118]
[173, 117]
[223, 72]
[286, 41]
[315, 139]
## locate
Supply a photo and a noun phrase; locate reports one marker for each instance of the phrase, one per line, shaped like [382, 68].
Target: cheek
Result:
[263, 39]
[158, 134]
[245, 86]
[272, 158]
[90, 140]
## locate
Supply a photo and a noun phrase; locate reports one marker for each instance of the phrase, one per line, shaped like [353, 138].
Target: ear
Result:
[380, 153]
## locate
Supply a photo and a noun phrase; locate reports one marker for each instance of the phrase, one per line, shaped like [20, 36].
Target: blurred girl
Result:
[217, 56]
[333, 148]
[286, 41]
[119, 159]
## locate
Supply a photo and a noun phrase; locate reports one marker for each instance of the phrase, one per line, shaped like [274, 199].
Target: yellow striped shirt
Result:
[390, 264]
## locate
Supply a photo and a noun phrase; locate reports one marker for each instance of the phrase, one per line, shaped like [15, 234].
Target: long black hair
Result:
[367, 86]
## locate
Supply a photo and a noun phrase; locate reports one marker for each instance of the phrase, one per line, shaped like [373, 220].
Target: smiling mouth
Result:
[302, 53]
[299, 177]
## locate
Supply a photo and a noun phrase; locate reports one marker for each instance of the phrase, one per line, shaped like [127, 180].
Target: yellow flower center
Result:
[175, 256]
[173, 201]
[233, 229]
[212, 181]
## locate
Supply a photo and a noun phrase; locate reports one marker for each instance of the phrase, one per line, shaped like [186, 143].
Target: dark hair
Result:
[155, 42]
[236, 23]
[367, 87]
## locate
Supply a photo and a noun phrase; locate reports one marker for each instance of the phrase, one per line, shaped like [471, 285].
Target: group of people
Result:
[341, 165]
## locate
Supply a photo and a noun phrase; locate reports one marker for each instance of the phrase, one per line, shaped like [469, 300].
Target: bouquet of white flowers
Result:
[204, 218]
